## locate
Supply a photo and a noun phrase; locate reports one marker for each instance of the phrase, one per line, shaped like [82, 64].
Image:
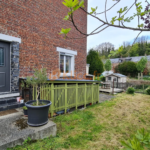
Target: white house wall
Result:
[122, 79]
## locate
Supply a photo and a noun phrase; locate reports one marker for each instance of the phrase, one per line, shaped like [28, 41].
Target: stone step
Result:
[9, 103]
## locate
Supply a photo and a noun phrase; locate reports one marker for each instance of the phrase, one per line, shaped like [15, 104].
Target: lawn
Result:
[98, 127]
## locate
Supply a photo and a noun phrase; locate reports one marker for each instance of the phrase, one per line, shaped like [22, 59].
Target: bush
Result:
[102, 78]
[108, 65]
[127, 68]
[130, 90]
[148, 90]
[96, 64]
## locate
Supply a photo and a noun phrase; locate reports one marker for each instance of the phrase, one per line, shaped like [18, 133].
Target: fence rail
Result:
[68, 95]
[139, 88]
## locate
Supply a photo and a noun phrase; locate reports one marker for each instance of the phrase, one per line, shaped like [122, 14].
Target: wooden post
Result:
[76, 95]
[113, 88]
[65, 98]
[52, 99]
[98, 92]
[92, 93]
[85, 96]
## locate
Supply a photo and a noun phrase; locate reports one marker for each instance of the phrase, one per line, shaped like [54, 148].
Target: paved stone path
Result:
[104, 97]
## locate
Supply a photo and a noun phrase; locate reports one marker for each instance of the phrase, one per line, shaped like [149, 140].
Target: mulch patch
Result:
[21, 123]
[7, 112]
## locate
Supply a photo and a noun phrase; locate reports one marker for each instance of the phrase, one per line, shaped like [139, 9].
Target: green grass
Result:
[98, 127]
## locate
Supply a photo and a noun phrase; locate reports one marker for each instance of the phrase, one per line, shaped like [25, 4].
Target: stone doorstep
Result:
[8, 95]
[16, 137]
[38, 133]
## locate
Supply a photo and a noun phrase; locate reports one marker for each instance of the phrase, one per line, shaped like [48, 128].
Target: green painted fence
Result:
[68, 95]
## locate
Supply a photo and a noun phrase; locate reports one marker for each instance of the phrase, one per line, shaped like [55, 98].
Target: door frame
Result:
[9, 39]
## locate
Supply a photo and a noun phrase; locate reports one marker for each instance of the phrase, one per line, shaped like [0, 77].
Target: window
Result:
[1, 57]
[66, 61]
[109, 78]
[115, 79]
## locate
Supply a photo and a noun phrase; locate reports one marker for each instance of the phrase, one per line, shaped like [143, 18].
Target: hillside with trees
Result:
[140, 48]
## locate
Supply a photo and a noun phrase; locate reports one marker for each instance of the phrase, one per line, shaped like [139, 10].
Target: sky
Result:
[113, 35]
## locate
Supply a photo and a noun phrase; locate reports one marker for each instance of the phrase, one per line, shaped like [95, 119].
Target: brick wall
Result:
[37, 23]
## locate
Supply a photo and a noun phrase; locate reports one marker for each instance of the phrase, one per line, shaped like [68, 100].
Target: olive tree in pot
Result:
[37, 109]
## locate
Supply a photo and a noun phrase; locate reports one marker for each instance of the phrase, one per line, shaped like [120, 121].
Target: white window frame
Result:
[67, 52]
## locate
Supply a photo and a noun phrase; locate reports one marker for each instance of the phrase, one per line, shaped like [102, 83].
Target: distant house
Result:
[136, 59]
[105, 73]
[116, 77]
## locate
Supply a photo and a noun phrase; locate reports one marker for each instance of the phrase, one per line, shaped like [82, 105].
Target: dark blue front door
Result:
[4, 67]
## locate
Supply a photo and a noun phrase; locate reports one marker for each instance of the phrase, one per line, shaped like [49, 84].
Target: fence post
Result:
[98, 93]
[85, 96]
[76, 95]
[141, 76]
[138, 76]
[65, 98]
[52, 99]
[92, 93]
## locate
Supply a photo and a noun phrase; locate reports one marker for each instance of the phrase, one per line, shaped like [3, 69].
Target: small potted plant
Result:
[37, 109]
[25, 110]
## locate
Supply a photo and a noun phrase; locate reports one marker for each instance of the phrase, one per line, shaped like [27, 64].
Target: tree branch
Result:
[97, 28]
[134, 42]
[138, 15]
[128, 9]
[147, 2]
[90, 34]
[107, 9]
[117, 26]
[136, 38]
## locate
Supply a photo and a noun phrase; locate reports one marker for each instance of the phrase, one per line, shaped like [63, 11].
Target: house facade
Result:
[116, 61]
[116, 77]
[29, 38]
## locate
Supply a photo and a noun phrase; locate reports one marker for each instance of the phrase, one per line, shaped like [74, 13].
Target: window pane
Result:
[68, 64]
[62, 63]
[1, 57]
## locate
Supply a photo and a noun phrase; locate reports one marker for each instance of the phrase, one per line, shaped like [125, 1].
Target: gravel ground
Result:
[105, 97]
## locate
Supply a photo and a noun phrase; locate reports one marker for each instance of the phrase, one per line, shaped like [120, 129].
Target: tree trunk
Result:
[38, 92]
[141, 75]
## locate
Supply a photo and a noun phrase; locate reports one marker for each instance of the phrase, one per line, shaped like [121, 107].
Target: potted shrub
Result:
[37, 109]
[25, 110]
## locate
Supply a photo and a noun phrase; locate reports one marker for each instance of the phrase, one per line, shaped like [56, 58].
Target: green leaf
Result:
[66, 17]
[113, 20]
[122, 10]
[65, 31]
[81, 4]
[93, 10]
[75, 8]
[70, 3]
[119, 19]
[126, 145]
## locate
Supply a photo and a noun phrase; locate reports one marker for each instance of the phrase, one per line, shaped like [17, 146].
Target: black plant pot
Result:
[25, 112]
[38, 115]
